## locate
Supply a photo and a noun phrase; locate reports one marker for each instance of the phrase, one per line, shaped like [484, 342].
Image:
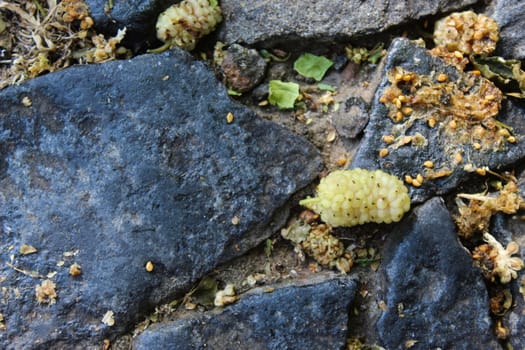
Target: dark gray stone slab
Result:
[510, 15]
[124, 163]
[433, 293]
[253, 22]
[309, 316]
[409, 159]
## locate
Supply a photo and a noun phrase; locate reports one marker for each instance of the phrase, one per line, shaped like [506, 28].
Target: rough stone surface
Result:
[410, 159]
[254, 22]
[432, 292]
[242, 68]
[510, 15]
[123, 163]
[309, 316]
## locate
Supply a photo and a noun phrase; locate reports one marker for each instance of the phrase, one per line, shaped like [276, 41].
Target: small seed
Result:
[419, 179]
[75, 269]
[149, 266]
[458, 157]
[481, 171]
[407, 77]
[409, 179]
[383, 99]
[478, 35]
[458, 54]
[402, 98]
[476, 72]
[476, 146]
[383, 152]
[341, 161]
[432, 122]
[452, 124]
[406, 140]
[398, 117]
[229, 118]
[388, 139]
[511, 139]
[503, 132]
[416, 183]
[428, 164]
[397, 103]
[407, 110]
[442, 77]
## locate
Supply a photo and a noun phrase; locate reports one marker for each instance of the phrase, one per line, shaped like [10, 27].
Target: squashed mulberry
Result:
[186, 22]
[358, 196]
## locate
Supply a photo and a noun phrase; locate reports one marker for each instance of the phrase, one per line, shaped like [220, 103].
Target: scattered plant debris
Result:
[474, 217]
[46, 293]
[46, 36]
[496, 261]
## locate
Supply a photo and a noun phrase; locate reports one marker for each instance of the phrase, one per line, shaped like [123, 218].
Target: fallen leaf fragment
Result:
[27, 249]
[108, 318]
[46, 293]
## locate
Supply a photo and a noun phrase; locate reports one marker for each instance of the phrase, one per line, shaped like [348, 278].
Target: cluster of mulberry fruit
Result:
[358, 196]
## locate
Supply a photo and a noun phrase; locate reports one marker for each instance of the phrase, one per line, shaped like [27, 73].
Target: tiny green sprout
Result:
[232, 92]
[312, 66]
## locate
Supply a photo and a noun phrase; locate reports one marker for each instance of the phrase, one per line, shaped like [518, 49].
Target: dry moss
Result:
[45, 36]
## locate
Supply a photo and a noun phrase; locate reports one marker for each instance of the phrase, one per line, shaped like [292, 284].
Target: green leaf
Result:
[283, 95]
[312, 66]
[204, 293]
[507, 74]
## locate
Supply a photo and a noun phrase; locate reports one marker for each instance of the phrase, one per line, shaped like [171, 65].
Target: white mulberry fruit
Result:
[358, 196]
[184, 23]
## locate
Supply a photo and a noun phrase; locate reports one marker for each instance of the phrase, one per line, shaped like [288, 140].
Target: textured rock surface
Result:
[433, 293]
[308, 316]
[510, 15]
[410, 159]
[242, 69]
[255, 21]
[123, 163]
